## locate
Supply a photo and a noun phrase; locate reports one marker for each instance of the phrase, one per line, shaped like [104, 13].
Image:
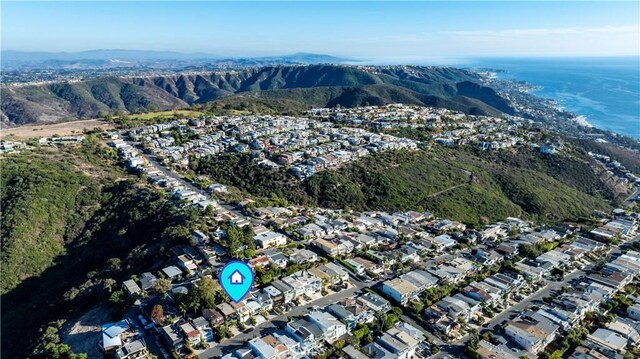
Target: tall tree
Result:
[157, 314]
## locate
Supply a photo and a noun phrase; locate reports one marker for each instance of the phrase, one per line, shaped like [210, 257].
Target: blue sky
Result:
[379, 30]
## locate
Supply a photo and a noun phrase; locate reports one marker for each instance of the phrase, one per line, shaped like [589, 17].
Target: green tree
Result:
[161, 286]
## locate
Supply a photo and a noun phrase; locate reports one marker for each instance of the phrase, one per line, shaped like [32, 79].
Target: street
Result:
[240, 340]
[456, 348]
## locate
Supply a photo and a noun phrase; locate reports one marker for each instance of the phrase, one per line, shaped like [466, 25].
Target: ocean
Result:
[606, 91]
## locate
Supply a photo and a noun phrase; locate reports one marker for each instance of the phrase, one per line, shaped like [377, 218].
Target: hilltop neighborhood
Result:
[366, 284]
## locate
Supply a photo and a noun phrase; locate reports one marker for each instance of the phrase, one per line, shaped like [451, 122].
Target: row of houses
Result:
[446, 314]
[305, 145]
[533, 330]
[451, 127]
[307, 283]
[313, 333]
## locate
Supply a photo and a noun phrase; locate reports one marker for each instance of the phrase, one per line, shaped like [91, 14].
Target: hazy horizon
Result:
[345, 60]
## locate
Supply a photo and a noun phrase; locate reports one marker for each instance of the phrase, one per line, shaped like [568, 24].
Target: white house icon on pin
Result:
[236, 277]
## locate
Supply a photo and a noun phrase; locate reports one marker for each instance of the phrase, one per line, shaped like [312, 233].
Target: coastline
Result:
[582, 121]
[592, 93]
[491, 75]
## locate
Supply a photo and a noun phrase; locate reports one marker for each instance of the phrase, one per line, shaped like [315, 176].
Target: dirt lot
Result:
[63, 129]
[161, 114]
[83, 335]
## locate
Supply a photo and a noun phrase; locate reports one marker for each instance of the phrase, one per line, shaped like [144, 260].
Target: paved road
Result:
[275, 323]
[453, 349]
[533, 299]
[153, 161]
[456, 348]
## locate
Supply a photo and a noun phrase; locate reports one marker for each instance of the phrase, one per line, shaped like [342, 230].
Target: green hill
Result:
[461, 184]
[313, 85]
[73, 228]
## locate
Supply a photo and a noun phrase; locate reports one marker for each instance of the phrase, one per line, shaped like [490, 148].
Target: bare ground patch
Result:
[72, 128]
[83, 334]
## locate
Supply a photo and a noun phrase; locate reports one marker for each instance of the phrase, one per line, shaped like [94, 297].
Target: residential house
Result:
[352, 353]
[358, 268]
[204, 328]
[333, 246]
[146, 280]
[421, 279]
[131, 287]
[303, 256]
[310, 231]
[339, 311]
[277, 258]
[190, 333]
[288, 292]
[307, 333]
[627, 328]
[227, 311]
[532, 332]
[172, 338]
[293, 347]
[582, 352]
[270, 239]
[135, 349]
[400, 290]
[172, 272]
[455, 308]
[260, 261]
[399, 343]
[375, 350]
[111, 335]
[276, 296]
[263, 350]
[213, 316]
[487, 350]
[199, 237]
[606, 341]
[375, 302]
[186, 263]
[369, 265]
[242, 311]
[331, 327]
[303, 283]
[264, 299]
[633, 311]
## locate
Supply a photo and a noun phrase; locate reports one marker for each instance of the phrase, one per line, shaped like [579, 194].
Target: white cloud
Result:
[633, 29]
[552, 41]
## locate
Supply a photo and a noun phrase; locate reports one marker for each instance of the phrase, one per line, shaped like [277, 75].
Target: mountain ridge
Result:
[313, 85]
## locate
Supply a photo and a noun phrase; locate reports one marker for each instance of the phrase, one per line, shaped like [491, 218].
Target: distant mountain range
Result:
[311, 85]
[97, 59]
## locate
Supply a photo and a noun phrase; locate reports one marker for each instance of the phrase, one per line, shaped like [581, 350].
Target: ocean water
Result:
[606, 91]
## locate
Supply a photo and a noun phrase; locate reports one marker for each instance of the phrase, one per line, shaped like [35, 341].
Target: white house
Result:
[331, 327]
[270, 239]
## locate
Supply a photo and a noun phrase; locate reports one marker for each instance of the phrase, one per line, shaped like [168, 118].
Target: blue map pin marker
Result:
[236, 278]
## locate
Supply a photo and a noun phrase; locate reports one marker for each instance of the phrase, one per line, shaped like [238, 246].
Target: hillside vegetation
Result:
[73, 227]
[461, 184]
[44, 203]
[304, 86]
[629, 158]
